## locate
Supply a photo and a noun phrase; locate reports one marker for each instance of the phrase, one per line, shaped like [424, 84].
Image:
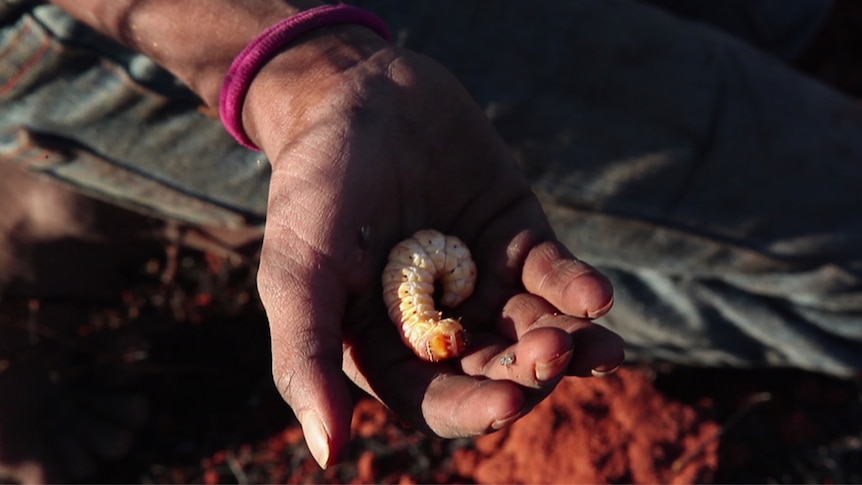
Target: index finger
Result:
[571, 285]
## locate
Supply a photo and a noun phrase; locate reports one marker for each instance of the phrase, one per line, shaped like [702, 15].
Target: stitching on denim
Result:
[40, 52]
[14, 43]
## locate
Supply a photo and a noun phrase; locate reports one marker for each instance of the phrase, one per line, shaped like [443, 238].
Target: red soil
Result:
[617, 429]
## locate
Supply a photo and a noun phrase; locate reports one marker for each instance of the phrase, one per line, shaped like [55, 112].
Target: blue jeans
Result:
[719, 189]
[112, 123]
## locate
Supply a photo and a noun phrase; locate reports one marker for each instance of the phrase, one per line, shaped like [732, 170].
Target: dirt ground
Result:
[184, 333]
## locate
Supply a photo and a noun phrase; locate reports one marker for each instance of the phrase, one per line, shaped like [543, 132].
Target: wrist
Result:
[325, 68]
[332, 49]
[196, 41]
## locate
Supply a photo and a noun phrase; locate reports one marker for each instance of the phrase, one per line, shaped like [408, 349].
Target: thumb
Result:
[304, 308]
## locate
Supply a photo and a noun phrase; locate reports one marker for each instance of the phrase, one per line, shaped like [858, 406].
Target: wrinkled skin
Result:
[366, 149]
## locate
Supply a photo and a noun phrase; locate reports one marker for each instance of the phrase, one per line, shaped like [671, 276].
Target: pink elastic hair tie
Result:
[264, 47]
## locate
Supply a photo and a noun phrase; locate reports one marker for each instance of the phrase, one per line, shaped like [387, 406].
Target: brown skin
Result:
[362, 134]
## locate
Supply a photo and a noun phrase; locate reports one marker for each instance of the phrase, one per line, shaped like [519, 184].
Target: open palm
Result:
[381, 149]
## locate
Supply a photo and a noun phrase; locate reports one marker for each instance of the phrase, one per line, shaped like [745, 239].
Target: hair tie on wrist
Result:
[264, 47]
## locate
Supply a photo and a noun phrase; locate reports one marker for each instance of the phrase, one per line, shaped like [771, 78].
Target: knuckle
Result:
[283, 378]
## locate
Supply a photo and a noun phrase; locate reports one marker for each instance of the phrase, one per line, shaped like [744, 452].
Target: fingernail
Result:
[601, 311]
[502, 423]
[316, 437]
[547, 371]
[604, 372]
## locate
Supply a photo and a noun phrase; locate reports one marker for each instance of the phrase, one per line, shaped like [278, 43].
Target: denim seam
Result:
[44, 45]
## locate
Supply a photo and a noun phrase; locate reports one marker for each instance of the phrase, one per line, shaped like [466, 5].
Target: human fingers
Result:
[306, 349]
[538, 360]
[595, 349]
[536, 345]
[567, 283]
[434, 397]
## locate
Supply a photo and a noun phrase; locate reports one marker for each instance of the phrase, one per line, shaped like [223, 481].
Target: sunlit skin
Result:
[369, 142]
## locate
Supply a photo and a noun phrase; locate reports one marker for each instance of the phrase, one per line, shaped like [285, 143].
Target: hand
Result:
[367, 147]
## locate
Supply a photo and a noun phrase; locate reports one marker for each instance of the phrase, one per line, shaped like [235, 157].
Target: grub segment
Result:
[414, 265]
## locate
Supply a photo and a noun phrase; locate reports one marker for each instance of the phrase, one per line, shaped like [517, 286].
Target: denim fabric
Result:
[780, 27]
[719, 189]
[114, 124]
